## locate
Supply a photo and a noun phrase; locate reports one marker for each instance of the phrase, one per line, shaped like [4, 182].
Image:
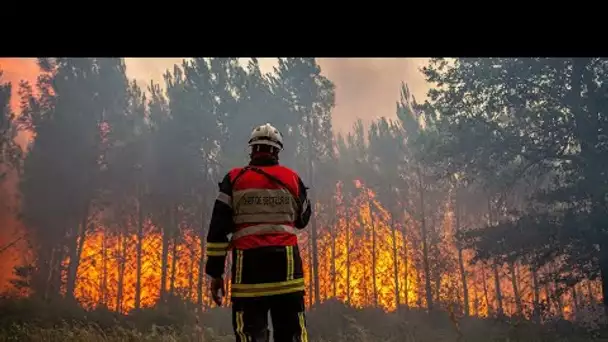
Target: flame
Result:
[107, 271]
[357, 244]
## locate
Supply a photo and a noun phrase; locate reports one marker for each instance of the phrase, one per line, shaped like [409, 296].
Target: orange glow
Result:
[355, 241]
[346, 246]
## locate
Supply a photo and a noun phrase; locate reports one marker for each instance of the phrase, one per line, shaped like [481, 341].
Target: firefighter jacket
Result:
[261, 206]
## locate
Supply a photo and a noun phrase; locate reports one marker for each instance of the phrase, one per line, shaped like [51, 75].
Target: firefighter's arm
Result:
[220, 226]
[305, 208]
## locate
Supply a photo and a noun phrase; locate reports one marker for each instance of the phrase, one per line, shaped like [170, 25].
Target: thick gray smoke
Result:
[366, 88]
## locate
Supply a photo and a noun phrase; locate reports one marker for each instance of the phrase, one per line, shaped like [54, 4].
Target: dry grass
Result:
[330, 322]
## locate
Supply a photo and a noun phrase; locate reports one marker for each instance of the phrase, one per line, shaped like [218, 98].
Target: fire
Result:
[359, 264]
[107, 273]
[363, 254]
[362, 228]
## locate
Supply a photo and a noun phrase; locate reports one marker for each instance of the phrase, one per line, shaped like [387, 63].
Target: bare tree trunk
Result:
[138, 251]
[347, 255]
[311, 284]
[332, 227]
[190, 273]
[420, 288]
[549, 297]
[485, 289]
[374, 283]
[463, 274]
[592, 300]
[499, 305]
[121, 272]
[395, 260]
[475, 300]
[425, 247]
[536, 290]
[406, 264]
[313, 221]
[201, 260]
[575, 303]
[104, 274]
[176, 236]
[558, 300]
[77, 244]
[516, 294]
[166, 231]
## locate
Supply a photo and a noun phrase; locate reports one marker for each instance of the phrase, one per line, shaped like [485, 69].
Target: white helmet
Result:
[266, 135]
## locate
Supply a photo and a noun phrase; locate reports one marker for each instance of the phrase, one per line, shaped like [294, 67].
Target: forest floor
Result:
[333, 321]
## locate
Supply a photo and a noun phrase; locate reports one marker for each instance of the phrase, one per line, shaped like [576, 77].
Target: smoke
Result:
[366, 88]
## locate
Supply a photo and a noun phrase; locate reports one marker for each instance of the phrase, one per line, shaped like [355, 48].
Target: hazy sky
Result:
[366, 88]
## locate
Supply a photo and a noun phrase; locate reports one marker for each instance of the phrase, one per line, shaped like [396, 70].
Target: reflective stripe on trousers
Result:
[268, 289]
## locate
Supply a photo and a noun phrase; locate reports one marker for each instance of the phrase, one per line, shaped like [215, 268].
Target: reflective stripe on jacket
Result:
[265, 206]
[256, 215]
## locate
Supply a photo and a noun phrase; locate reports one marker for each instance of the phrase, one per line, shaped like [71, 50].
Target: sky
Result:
[366, 88]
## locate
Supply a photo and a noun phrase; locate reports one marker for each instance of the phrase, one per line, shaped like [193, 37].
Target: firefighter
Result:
[262, 206]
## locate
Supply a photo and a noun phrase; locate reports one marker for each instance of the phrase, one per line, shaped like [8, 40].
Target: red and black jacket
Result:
[261, 206]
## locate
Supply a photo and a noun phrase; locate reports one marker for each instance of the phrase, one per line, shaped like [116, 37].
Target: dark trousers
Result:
[250, 318]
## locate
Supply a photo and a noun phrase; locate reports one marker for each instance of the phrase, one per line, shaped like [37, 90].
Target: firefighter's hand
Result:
[217, 290]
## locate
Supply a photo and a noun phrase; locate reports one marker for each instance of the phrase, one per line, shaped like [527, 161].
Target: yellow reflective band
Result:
[304, 335]
[240, 324]
[217, 245]
[268, 289]
[268, 285]
[239, 267]
[290, 267]
[216, 253]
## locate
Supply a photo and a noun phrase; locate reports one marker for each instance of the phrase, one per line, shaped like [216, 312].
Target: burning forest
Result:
[482, 202]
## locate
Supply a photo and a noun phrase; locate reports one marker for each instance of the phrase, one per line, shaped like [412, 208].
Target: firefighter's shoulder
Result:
[287, 169]
[230, 175]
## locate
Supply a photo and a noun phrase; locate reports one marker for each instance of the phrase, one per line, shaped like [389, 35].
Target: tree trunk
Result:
[121, 272]
[536, 290]
[575, 303]
[499, 306]
[549, 297]
[374, 282]
[311, 284]
[176, 236]
[164, 258]
[485, 290]
[425, 247]
[313, 221]
[475, 300]
[347, 255]
[463, 274]
[201, 260]
[77, 244]
[406, 264]
[395, 261]
[138, 251]
[516, 294]
[558, 300]
[590, 294]
[333, 230]
[103, 285]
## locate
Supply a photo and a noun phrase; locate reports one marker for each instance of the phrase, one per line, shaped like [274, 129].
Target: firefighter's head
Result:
[266, 140]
